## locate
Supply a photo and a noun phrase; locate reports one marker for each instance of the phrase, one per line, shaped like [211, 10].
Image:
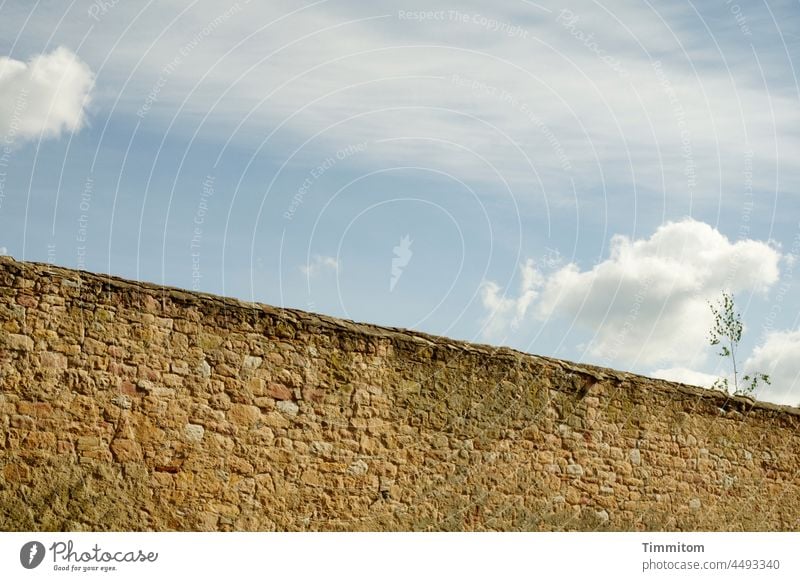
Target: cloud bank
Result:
[647, 303]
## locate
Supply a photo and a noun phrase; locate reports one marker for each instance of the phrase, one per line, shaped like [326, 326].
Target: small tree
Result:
[727, 332]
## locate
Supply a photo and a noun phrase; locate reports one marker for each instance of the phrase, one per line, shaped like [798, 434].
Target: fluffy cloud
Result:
[507, 312]
[45, 96]
[318, 265]
[648, 302]
[778, 356]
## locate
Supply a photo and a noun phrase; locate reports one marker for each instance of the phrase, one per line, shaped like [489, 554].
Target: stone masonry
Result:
[129, 406]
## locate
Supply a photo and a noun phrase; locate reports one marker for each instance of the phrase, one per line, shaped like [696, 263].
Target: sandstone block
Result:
[287, 407]
[19, 342]
[276, 420]
[36, 440]
[251, 362]
[89, 443]
[22, 422]
[574, 469]
[94, 347]
[358, 468]
[16, 473]
[194, 432]
[126, 450]
[180, 367]
[243, 415]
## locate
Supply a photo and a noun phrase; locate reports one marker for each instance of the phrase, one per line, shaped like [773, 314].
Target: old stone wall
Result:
[126, 406]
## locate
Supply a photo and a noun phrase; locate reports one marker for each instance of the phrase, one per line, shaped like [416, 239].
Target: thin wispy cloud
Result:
[337, 71]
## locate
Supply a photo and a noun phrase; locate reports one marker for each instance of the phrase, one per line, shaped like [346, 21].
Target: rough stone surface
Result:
[129, 406]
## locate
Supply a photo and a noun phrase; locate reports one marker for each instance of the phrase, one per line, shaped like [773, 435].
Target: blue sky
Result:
[570, 180]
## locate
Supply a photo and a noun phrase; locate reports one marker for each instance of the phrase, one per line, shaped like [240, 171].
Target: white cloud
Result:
[506, 312]
[779, 357]
[684, 375]
[318, 265]
[3, 251]
[647, 302]
[43, 97]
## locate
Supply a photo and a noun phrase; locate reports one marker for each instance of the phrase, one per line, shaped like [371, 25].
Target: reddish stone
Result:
[279, 391]
[53, 360]
[117, 352]
[127, 388]
[65, 447]
[116, 368]
[27, 301]
[148, 374]
[313, 394]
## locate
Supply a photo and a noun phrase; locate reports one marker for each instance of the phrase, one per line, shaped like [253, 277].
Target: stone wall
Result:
[127, 406]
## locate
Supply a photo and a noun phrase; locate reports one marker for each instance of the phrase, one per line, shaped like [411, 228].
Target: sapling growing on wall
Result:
[727, 332]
